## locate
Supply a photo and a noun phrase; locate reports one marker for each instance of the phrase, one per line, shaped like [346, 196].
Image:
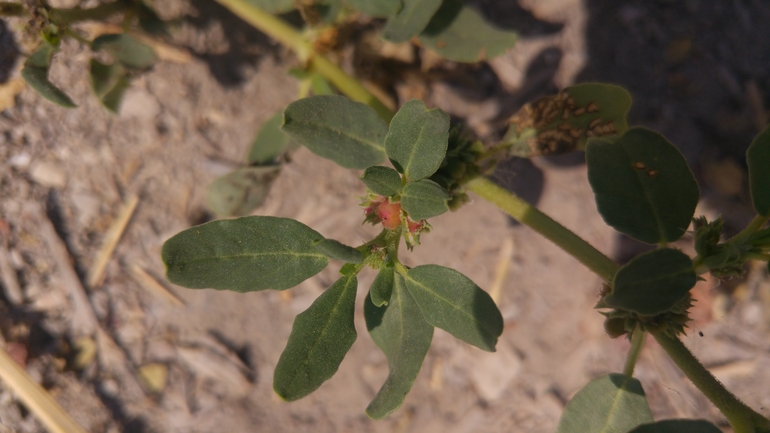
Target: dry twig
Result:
[111, 239]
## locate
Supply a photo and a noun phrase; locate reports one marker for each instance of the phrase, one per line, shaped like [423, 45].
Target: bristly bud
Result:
[381, 210]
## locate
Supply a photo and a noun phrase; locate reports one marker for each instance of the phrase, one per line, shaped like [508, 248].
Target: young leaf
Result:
[127, 50]
[320, 86]
[410, 20]
[424, 199]
[678, 426]
[241, 191]
[652, 283]
[273, 6]
[382, 287]
[643, 186]
[758, 159]
[334, 127]
[376, 8]
[417, 139]
[611, 403]
[37, 78]
[401, 332]
[382, 180]
[449, 34]
[269, 143]
[320, 338]
[451, 301]
[109, 82]
[338, 251]
[244, 254]
[563, 122]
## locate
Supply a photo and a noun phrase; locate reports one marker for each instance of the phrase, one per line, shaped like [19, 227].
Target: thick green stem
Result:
[637, 342]
[292, 39]
[750, 229]
[527, 214]
[742, 418]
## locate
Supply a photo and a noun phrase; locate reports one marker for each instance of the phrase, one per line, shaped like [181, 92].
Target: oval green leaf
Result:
[417, 139]
[244, 254]
[643, 185]
[563, 122]
[381, 180]
[410, 20]
[241, 191]
[37, 78]
[320, 338]
[42, 57]
[652, 283]
[334, 127]
[451, 301]
[424, 199]
[376, 8]
[758, 160]
[109, 83]
[269, 143]
[608, 404]
[382, 287]
[127, 50]
[402, 333]
[338, 251]
[449, 34]
[678, 426]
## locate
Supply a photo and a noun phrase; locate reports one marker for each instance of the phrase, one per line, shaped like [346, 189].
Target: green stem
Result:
[291, 38]
[750, 229]
[637, 342]
[742, 418]
[527, 214]
[98, 13]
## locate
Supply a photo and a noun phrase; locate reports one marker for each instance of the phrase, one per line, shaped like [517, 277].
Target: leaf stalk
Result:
[637, 342]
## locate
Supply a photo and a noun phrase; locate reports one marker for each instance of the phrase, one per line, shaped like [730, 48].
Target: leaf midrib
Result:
[373, 144]
[484, 326]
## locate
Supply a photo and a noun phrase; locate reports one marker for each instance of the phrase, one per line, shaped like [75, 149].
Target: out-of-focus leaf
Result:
[243, 255]
[563, 122]
[376, 8]
[269, 143]
[241, 191]
[678, 426]
[319, 340]
[127, 50]
[37, 78]
[758, 159]
[458, 32]
[410, 20]
[273, 6]
[109, 83]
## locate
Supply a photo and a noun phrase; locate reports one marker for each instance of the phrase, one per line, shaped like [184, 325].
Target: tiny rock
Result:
[48, 174]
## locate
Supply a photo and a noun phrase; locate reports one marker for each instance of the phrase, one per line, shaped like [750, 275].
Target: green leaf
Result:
[320, 86]
[319, 340]
[382, 287]
[127, 50]
[424, 199]
[37, 78]
[410, 20]
[451, 301]
[563, 122]
[376, 8]
[273, 6]
[244, 254]
[758, 159]
[334, 127]
[42, 57]
[449, 34]
[652, 283]
[381, 180]
[611, 403]
[241, 191]
[417, 139]
[338, 251]
[109, 83]
[404, 336]
[678, 426]
[643, 186]
[269, 143]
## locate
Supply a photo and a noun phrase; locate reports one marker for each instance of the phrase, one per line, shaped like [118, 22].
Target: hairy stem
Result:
[742, 418]
[292, 39]
[527, 214]
[637, 342]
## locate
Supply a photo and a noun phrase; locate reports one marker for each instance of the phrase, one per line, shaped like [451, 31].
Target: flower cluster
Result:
[388, 212]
